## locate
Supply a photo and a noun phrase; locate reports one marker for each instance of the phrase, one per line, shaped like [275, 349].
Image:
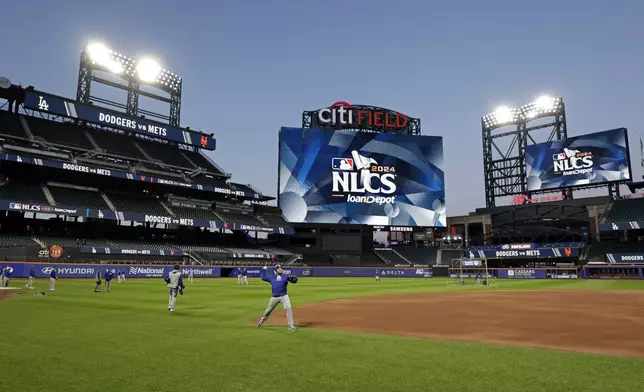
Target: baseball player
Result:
[478, 278]
[377, 276]
[279, 288]
[244, 275]
[239, 275]
[191, 276]
[123, 275]
[8, 271]
[99, 278]
[1, 276]
[109, 275]
[52, 280]
[174, 281]
[118, 275]
[32, 277]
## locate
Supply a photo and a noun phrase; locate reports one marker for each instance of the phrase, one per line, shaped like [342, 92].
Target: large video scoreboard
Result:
[343, 176]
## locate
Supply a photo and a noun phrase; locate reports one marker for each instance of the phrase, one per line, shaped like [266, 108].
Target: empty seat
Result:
[24, 193]
[167, 154]
[17, 241]
[10, 124]
[194, 213]
[139, 203]
[201, 161]
[59, 133]
[117, 144]
[78, 198]
[626, 210]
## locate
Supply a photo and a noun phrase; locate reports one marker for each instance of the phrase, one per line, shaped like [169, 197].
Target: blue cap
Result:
[278, 267]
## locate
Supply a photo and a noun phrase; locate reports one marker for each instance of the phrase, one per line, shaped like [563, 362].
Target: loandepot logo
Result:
[363, 175]
[573, 162]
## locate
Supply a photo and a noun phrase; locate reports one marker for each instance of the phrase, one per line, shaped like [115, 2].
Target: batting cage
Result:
[470, 272]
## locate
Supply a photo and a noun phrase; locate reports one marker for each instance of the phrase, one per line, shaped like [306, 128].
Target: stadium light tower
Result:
[505, 168]
[98, 58]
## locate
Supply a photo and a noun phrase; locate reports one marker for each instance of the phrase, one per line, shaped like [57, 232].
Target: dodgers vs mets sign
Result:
[361, 178]
[589, 159]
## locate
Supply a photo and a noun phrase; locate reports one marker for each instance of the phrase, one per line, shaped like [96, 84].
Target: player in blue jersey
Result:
[279, 294]
[1, 275]
[8, 271]
[244, 275]
[109, 274]
[32, 277]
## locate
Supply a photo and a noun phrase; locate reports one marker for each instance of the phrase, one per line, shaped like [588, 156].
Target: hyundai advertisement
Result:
[595, 158]
[362, 178]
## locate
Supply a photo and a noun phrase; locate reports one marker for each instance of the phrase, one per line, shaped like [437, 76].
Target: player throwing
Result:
[279, 287]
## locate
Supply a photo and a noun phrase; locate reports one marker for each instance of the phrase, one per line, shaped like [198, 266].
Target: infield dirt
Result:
[598, 322]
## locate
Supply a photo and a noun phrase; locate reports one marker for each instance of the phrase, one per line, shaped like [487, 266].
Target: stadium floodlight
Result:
[101, 55]
[542, 107]
[148, 70]
[503, 115]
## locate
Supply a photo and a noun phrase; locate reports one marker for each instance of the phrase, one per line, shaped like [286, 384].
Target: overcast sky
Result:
[250, 67]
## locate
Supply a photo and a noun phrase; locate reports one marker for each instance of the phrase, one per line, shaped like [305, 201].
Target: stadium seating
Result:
[193, 213]
[423, 255]
[16, 241]
[30, 193]
[240, 219]
[66, 134]
[626, 210]
[277, 251]
[117, 144]
[10, 124]
[139, 245]
[166, 153]
[447, 255]
[70, 242]
[137, 203]
[201, 161]
[247, 250]
[274, 220]
[391, 256]
[78, 198]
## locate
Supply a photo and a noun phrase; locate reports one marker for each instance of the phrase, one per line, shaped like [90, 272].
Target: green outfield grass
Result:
[77, 340]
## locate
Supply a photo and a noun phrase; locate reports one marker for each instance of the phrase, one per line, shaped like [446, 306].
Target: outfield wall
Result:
[75, 270]
[67, 270]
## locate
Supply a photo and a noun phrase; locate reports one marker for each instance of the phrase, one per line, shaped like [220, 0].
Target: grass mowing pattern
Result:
[77, 340]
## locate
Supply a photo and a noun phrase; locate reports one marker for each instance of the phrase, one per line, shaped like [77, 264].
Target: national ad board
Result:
[595, 158]
[379, 179]
[64, 270]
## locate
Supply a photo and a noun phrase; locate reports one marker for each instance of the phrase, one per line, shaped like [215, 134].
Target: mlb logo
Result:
[342, 164]
[15, 206]
[558, 157]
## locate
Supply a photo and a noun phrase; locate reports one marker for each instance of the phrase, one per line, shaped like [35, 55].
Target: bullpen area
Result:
[354, 334]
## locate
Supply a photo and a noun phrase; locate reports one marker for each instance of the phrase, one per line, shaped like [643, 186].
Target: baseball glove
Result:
[292, 279]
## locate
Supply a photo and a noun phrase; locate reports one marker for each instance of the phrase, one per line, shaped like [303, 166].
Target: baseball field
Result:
[354, 335]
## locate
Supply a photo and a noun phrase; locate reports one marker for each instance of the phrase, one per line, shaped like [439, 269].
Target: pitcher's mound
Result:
[600, 322]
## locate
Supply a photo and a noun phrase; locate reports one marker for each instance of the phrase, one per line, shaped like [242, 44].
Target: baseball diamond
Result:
[294, 231]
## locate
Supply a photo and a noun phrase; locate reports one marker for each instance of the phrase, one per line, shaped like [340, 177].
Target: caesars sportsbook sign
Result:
[343, 115]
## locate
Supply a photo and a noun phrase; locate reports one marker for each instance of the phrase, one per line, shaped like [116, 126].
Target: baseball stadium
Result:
[110, 212]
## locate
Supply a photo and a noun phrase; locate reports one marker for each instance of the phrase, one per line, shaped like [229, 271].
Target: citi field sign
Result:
[343, 115]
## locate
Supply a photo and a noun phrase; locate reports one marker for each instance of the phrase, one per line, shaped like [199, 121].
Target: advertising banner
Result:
[632, 225]
[48, 103]
[139, 252]
[522, 254]
[379, 179]
[595, 158]
[328, 272]
[108, 172]
[625, 258]
[21, 270]
[521, 273]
